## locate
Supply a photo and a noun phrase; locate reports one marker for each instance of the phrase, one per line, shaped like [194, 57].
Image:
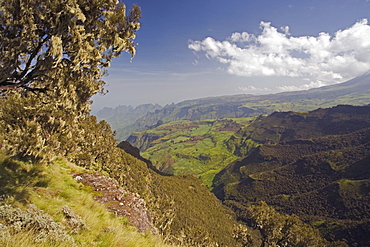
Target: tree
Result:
[53, 55]
[42, 39]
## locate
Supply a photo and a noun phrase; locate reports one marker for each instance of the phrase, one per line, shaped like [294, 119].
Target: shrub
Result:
[16, 220]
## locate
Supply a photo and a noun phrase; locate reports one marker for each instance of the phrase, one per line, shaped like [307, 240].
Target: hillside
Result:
[47, 205]
[189, 147]
[286, 126]
[63, 179]
[177, 210]
[180, 209]
[313, 164]
[34, 136]
[354, 92]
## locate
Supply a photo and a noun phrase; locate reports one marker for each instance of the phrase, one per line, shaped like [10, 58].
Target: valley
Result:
[310, 164]
[190, 147]
[277, 149]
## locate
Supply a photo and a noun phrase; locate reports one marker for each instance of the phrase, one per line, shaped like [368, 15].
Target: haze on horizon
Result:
[195, 49]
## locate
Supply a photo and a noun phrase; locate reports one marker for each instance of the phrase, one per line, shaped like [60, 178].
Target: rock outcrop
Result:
[119, 201]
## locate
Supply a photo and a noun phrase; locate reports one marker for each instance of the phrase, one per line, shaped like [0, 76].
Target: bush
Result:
[16, 220]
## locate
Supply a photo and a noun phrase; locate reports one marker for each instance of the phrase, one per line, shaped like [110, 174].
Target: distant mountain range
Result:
[126, 119]
[122, 116]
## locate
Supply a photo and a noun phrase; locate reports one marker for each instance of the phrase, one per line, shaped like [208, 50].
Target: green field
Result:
[194, 147]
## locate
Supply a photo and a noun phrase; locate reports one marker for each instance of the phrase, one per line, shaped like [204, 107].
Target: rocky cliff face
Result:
[142, 141]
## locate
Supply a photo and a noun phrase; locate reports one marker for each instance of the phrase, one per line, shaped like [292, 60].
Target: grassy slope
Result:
[50, 187]
[182, 208]
[194, 147]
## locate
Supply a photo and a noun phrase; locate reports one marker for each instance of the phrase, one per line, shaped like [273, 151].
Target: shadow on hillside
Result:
[17, 176]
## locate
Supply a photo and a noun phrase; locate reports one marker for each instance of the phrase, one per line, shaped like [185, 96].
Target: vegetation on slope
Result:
[314, 165]
[183, 210]
[42, 205]
[190, 147]
[55, 56]
[286, 126]
[47, 79]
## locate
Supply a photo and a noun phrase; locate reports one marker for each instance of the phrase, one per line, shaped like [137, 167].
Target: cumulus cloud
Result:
[322, 59]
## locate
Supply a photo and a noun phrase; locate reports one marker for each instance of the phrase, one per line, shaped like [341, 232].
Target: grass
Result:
[195, 147]
[50, 187]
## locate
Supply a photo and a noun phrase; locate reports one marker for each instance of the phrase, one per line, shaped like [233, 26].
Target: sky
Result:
[188, 49]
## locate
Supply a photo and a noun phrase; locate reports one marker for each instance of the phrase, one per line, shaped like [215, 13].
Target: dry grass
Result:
[51, 187]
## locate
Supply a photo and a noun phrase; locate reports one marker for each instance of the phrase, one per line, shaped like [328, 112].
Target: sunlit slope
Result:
[43, 205]
[190, 147]
[181, 207]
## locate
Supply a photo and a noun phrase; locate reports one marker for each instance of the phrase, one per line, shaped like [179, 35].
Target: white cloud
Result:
[323, 59]
[301, 87]
[282, 88]
[254, 90]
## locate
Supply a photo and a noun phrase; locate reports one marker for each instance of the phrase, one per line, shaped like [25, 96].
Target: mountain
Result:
[353, 92]
[124, 115]
[287, 126]
[311, 164]
[354, 89]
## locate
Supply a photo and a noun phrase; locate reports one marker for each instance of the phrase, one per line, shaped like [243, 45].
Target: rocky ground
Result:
[118, 200]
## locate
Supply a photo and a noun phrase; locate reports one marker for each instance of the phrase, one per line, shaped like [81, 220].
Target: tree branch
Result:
[22, 79]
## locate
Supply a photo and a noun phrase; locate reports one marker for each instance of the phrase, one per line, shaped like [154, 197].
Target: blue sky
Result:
[192, 49]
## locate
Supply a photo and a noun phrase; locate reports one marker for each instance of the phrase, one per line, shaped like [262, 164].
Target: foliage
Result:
[16, 220]
[42, 41]
[74, 221]
[317, 167]
[280, 229]
[53, 56]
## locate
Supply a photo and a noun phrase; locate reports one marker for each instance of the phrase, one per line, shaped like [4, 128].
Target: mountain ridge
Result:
[321, 176]
[355, 92]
